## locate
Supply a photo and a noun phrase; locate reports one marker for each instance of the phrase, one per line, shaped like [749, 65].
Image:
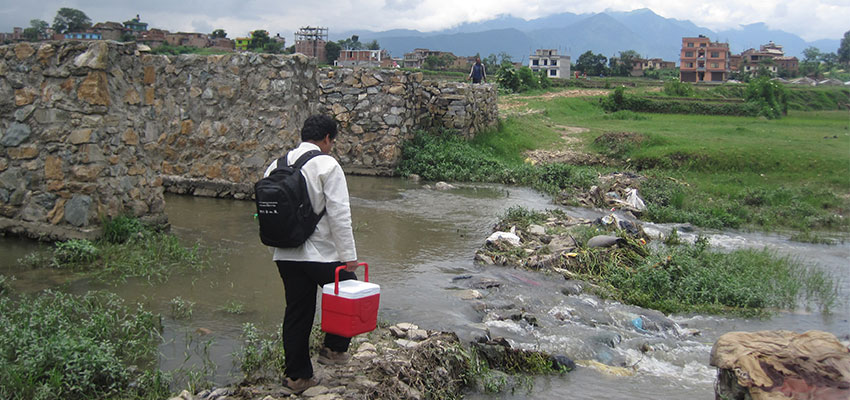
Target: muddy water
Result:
[418, 242]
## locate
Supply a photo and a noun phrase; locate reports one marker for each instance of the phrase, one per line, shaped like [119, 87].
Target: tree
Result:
[259, 38]
[218, 34]
[844, 49]
[332, 51]
[591, 64]
[70, 20]
[352, 43]
[373, 45]
[40, 27]
[811, 54]
[31, 34]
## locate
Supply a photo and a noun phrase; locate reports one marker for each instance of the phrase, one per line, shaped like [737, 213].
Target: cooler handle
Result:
[336, 276]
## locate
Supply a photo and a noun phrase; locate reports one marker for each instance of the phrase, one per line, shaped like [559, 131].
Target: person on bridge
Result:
[311, 265]
[477, 73]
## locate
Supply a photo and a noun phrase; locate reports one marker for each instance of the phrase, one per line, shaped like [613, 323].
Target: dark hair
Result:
[316, 127]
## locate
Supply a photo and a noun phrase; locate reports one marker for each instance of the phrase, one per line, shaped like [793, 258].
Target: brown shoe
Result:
[330, 357]
[299, 385]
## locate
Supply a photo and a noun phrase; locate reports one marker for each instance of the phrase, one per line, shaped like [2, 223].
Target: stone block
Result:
[16, 134]
[149, 75]
[95, 57]
[53, 168]
[23, 51]
[149, 96]
[129, 137]
[132, 97]
[94, 89]
[78, 210]
[23, 153]
[25, 96]
[80, 136]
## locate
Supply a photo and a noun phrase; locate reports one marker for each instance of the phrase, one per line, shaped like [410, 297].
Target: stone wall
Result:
[98, 129]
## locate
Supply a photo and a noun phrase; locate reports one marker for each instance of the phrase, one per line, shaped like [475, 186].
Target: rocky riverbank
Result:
[403, 362]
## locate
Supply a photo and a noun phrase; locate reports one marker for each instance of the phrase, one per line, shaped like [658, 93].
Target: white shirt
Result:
[333, 239]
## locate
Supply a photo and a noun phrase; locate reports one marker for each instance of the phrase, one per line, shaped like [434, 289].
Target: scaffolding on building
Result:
[311, 41]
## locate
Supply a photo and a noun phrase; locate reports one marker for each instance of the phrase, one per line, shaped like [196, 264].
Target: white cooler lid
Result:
[352, 289]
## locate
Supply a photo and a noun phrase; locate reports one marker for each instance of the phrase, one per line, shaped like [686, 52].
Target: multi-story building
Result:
[702, 60]
[639, 65]
[364, 58]
[548, 60]
[311, 42]
[136, 25]
[417, 58]
[769, 57]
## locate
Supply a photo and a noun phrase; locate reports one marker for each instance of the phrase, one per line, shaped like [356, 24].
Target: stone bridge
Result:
[93, 130]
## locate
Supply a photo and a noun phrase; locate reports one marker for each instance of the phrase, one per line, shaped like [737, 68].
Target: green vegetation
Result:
[127, 249]
[712, 171]
[58, 345]
[681, 277]
[168, 49]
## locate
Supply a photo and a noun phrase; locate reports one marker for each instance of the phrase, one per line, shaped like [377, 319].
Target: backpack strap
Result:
[299, 163]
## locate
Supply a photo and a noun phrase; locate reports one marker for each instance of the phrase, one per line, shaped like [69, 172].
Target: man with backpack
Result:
[312, 264]
[477, 73]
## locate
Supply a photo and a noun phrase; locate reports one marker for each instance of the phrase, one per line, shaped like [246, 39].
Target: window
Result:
[702, 45]
[715, 54]
[714, 65]
[554, 62]
[689, 54]
[690, 44]
[690, 65]
[535, 62]
[553, 72]
[545, 62]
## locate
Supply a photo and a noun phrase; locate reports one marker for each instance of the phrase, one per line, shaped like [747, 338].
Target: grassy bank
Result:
[712, 171]
[57, 345]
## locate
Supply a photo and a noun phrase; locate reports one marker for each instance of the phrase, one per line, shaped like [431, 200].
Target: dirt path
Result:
[569, 153]
[511, 104]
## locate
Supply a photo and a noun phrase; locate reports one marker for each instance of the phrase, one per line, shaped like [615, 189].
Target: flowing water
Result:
[419, 244]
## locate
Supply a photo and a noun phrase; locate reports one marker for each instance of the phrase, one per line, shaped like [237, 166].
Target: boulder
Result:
[780, 365]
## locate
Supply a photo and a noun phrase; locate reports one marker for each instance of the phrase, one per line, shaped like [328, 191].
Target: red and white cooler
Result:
[350, 307]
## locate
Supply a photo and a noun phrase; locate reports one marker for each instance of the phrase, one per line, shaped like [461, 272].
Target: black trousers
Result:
[300, 280]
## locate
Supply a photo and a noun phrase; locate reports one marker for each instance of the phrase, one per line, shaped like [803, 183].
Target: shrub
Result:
[527, 79]
[676, 88]
[508, 78]
[769, 97]
[120, 229]
[75, 252]
[57, 345]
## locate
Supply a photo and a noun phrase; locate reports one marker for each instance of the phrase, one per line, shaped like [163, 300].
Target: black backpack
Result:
[283, 206]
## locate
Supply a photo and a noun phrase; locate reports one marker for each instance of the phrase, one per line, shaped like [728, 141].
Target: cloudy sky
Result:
[810, 19]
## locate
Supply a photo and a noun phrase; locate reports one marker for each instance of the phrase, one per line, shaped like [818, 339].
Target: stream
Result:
[420, 244]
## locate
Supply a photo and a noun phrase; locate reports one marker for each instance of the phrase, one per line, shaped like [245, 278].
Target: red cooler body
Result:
[350, 307]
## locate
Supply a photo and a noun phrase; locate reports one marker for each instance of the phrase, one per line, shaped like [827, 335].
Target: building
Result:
[136, 25]
[311, 42]
[153, 38]
[364, 58]
[703, 60]
[77, 36]
[17, 34]
[769, 57]
[242, 43]
[548, 60]
[109, 30]
[222, 44]
[639, 65]
[187, 39]
[417, 58]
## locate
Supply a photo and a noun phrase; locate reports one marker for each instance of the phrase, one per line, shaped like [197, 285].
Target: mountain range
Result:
[608, 33]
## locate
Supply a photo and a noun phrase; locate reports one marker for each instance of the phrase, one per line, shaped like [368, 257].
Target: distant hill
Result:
[608, 33]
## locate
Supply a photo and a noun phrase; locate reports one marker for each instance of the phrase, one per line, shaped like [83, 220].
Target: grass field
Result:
[712, 171]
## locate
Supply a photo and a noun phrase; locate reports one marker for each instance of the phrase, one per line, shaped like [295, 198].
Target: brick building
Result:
[702, 60]
[311, 42]
[417, 58]
[364, 58]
